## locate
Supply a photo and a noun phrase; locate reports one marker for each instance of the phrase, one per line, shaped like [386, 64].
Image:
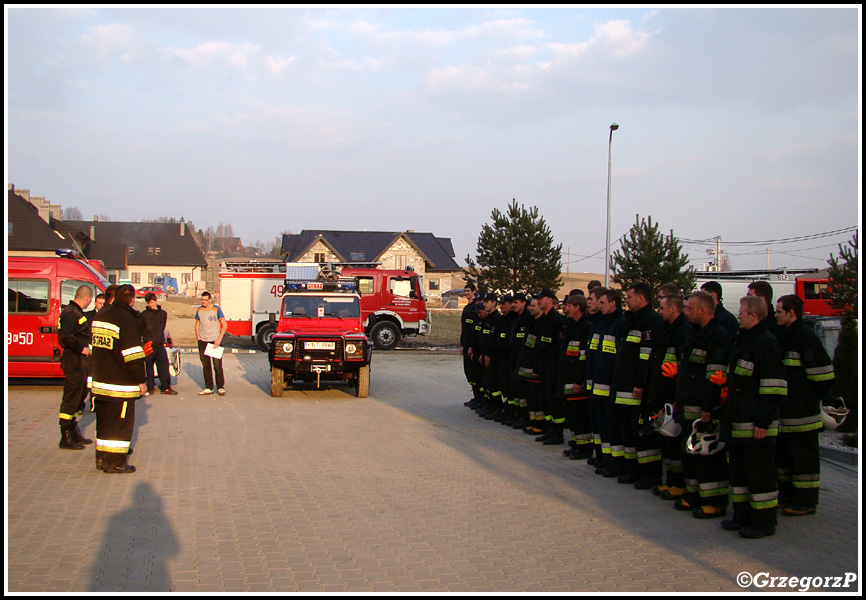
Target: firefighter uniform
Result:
[468, 322]
[516, 349]
[594, 415]
[527, 369]
[118, 369]
[809, 372]
[490, 371]
[572, 384]
[638, 335]
[706, 476]
[600, 368]
[500, 351]
[660, 390]
[756, 391]
[74, 338]
[547, 356]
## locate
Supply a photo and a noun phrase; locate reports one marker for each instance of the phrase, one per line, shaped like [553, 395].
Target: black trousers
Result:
[206, 362]
[159, 358]
[799, 468]
[753, 483]
[115, 422]
[76, 368]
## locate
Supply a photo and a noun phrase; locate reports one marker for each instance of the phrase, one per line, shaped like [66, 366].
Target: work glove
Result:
[148, 348]
[718, 378]
[669, 370]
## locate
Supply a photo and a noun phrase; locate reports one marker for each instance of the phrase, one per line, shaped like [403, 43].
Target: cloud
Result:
[220, 54]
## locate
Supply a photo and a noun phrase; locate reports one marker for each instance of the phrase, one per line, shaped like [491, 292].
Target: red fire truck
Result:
[39, 287]
[392, 301]
[320, 333]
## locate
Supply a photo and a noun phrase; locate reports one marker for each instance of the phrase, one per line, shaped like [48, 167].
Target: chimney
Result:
[95, 218]
[182, 227]
[93, 232]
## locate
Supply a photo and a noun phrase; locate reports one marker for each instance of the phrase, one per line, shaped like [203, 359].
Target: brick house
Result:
[432, 257]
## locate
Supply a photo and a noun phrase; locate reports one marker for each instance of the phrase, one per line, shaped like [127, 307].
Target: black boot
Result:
[556, 437]
[67, 436]
[78, 435]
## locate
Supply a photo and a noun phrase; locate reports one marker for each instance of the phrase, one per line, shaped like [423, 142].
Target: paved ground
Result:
[406, 490]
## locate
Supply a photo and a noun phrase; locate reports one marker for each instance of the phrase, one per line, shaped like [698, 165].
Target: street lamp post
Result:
[613, 128]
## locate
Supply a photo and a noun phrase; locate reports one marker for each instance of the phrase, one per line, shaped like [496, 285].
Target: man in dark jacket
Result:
[118, 379]
[638, 335]
[756, 389]
[572, 376]
[74, 338]
[698, 399]
[600, 368]
[660, 390]
[468, 322]
[155, 319]
[809, 372]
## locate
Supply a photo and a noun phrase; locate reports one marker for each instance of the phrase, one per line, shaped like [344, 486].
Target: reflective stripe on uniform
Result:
[115, 391]
[113, 446]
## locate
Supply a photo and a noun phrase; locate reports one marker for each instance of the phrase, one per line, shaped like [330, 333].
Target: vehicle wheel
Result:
[278, 382]
[362, 382]
[264, 336]
[385, 335]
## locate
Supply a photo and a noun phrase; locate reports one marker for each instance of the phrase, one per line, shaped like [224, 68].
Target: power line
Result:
[792, 240]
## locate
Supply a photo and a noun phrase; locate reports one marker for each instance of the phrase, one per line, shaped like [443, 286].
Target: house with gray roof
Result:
[432, 257]
[140, 252]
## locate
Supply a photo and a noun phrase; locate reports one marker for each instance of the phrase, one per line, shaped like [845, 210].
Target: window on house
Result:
[135, 278]
[131, 250]
[319, 257]
[357, 256]
[185, 278]
[151, 277]
[434, 285]
[156, 251]
[150, 251]
[400, 261]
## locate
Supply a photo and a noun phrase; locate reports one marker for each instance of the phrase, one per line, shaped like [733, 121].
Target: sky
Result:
[739, 123]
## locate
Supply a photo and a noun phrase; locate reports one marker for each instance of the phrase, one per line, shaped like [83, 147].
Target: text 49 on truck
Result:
[392, 302]
[39, 287]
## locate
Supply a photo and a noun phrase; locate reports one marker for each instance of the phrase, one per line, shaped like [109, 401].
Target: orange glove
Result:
[718, 378]
[669, 370]
[724, 395]
[148, 348]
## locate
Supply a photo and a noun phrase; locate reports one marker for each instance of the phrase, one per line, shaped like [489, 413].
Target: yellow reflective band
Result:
[113, 446]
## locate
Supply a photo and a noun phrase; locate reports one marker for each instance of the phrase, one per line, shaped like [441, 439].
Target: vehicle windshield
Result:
[313, 306]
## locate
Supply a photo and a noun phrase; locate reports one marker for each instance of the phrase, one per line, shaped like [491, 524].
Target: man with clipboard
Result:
[210, 327]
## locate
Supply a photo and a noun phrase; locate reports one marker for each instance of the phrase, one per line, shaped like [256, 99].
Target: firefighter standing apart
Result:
[118, 379]
[74, 338]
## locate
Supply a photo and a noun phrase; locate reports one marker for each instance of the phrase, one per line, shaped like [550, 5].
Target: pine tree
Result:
[516, 253]
[843, 282]
[648, 256]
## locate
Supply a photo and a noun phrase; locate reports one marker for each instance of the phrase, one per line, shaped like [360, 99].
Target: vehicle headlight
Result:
[351, 348]
[288, 347]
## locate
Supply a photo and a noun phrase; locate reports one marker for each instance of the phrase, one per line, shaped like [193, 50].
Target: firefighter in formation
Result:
[667, 400]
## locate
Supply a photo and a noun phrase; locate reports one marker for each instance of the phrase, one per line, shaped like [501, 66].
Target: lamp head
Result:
[614, 126]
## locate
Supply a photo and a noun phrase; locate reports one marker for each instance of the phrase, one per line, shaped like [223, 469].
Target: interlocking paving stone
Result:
[404, 491]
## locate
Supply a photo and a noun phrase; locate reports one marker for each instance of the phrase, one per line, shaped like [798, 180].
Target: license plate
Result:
[319, 345]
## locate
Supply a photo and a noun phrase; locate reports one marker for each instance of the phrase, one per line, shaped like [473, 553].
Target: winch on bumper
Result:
[320, 357]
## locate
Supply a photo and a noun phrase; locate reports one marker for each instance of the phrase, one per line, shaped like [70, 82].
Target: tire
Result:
[264, 336]
[362, 382]
[385, 335]
[278, 382]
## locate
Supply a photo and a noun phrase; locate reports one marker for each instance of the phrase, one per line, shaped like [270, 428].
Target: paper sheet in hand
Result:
[213, 352]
